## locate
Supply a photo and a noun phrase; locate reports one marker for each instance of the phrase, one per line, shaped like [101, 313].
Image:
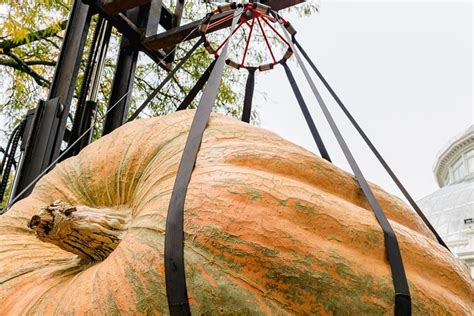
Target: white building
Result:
[451, 209]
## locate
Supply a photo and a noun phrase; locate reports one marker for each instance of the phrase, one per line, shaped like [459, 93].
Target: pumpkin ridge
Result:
[153, 163]
[41, 297]
[145, 161]
[380, 196]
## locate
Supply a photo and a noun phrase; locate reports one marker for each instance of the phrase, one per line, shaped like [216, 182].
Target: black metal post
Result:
[44, 142]
[86, 104]
[122, 84]
[154, 15]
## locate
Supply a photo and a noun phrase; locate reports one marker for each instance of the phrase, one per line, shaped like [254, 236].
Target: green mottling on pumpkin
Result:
[418, 308]
[141, 300]
[268, 252]
[229, 180]
[306, 260]
[225, 297]
[112, 308]
[255, 195]
[373, 236]
[332, 295]
[334, 237]
[317, 167]
[144, 302]
[233, 191]
[304, 208]
[293, 253]
[343, 270]
[192, 213]
[283, 202]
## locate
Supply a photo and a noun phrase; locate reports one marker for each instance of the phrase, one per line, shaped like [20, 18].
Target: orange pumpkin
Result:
[270, 229]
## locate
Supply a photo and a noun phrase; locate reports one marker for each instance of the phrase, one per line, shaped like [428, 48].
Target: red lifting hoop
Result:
[251, 13]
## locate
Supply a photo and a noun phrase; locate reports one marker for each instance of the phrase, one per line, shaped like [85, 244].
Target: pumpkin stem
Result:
[90, 233]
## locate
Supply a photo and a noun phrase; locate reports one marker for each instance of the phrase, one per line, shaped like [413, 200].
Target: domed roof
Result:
[450, 210]
[450, 154]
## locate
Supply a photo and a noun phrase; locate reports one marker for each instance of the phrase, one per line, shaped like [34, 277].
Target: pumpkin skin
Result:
[270, 229]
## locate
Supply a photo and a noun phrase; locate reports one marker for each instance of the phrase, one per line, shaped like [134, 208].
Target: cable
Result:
[7, 149]
[11, 159]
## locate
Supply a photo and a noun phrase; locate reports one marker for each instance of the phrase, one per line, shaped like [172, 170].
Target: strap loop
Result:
[249, 88]
[402, 304]
[175, 277]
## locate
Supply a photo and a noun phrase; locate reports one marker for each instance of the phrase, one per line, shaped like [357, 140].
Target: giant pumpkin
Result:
[270, 229]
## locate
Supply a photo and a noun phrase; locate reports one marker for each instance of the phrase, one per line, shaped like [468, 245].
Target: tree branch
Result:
[22, 66]
[33, 36]
[41, 62]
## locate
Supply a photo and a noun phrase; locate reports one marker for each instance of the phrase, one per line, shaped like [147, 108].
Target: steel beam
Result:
[67, 69]
[39, 145]
[86, 105]
[122, 84]
[133, 33]
[178, 14]
[180, 33]
[116, 6]
[120, 6]
[154, 16]
[189, 31]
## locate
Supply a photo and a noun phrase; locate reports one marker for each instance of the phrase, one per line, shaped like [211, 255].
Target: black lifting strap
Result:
[197, 87]
[165, 81]
[400, 282]
[174, 235]
[371, 146]
[314, 131]
[249, 88]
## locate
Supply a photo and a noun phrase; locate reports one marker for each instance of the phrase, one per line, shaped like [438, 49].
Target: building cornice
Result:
[450, 154]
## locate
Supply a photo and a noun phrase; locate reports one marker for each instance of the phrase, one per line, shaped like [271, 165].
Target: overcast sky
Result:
[404, 69]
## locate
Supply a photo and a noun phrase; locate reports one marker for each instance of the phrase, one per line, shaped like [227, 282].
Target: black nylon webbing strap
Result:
[371, 146]
[312, 127]
[165, 81]
[249, 88]
[197, 87]
[174, 235]
[400, 282]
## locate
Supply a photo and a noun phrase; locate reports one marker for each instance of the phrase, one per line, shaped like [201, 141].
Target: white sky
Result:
[403, 68]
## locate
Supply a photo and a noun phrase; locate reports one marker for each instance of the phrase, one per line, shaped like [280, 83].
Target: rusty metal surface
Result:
[116, 6]
[189, 31]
